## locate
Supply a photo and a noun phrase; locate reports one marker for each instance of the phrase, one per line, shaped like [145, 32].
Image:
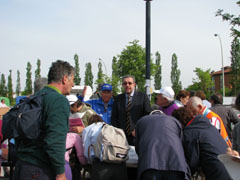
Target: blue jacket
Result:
[98, 107]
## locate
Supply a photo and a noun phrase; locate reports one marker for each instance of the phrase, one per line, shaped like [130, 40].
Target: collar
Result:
[131, 95]
[54, 88]
[205, 111]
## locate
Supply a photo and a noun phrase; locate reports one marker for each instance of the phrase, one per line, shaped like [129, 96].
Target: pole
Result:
[148, 47]
[103, 65]
[223, 86]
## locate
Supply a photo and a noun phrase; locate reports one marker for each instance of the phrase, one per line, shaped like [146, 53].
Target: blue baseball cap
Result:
[107, 87]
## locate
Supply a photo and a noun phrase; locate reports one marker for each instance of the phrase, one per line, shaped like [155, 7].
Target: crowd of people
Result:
[179, 135]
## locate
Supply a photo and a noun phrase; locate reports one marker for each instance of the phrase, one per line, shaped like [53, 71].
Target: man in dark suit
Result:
[129, 107]
[159, 148]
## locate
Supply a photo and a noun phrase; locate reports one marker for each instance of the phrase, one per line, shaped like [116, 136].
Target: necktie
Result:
[128, 120]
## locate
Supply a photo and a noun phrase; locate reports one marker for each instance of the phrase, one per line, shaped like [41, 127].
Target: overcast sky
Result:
[57, 29]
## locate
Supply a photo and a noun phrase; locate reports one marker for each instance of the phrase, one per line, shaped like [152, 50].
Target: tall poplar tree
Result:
[115, 78]
[3, 88]
[18, 85]
[28, 89]
[38, 70]
[158, 73]
[77, 79]
[88, 75]
[175, 75]
[235, 65]
[100, 75]
[10, 87]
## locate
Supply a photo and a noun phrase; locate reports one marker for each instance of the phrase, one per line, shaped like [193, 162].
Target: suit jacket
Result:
[159, 146]
[140, 107]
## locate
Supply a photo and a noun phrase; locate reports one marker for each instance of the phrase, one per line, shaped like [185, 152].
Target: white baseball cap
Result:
[166, 91]
[71, 99]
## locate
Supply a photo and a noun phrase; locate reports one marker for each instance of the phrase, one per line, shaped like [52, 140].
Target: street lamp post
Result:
[148, 46]
[223, 86]
[103, 64]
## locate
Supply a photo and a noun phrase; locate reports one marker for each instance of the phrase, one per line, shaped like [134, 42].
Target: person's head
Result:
[164, 96]
[237, 102]
[39, 83]
[106, 92]
[73, 102]
[183, 114]
[3, 101]
[61, 74]
[216, 99]
[195, 105]
[183, 96]
[129, 84]
[94, 119]
[200, 94]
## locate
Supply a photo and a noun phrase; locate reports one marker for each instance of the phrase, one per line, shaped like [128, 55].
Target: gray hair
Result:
[39, 83]
[58, 70]
[128, 76]
[195, 101]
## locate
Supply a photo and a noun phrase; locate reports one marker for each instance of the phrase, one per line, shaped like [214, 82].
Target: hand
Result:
[134, 133]
[61, 177]
[77, 129]
[84, 91]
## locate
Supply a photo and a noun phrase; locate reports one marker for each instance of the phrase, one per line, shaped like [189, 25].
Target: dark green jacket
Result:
[49, 150]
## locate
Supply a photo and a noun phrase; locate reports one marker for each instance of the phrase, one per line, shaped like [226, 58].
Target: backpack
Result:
[74, 163]
[111, 145]
[24, 120]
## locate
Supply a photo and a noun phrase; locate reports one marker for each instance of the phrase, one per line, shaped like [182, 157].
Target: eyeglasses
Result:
[129, 83]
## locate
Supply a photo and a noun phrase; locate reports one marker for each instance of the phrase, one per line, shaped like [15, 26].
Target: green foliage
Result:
[115, 79]
[100, 75]
[175, 75]
[77, 79]
[202, 82]
[131, 61]
[158, 74]
[18, 86]
[235, 65]
[10, 87]
[28, 89]
[234, 20]
[38, 70]
[3, 88]
[88, 75]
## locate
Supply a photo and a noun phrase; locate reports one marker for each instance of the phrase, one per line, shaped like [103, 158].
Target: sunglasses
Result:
[125, 83]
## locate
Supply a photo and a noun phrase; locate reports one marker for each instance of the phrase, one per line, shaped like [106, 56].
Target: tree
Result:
[158, 74]
[88, 75]
[3, 88]
[100, 75]
[131, 61]
[235, 65]
[115, 78]
[18, 86]
[38, 70]
[175, 75]
[28, 89]
[202, 82]
[77, 79]
[10, 87]
[233, 19]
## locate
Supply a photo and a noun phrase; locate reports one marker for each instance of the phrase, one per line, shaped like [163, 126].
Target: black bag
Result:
[74, 164]
[23, 121]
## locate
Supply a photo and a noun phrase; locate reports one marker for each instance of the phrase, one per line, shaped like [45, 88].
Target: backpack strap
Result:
[69, 148]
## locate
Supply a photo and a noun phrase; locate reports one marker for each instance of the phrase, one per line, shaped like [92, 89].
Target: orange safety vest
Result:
[217, 122]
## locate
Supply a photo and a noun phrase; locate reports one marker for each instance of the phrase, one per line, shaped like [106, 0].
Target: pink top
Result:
[73, 139]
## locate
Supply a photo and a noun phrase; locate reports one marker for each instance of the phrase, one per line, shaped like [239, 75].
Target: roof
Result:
[227, 69]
